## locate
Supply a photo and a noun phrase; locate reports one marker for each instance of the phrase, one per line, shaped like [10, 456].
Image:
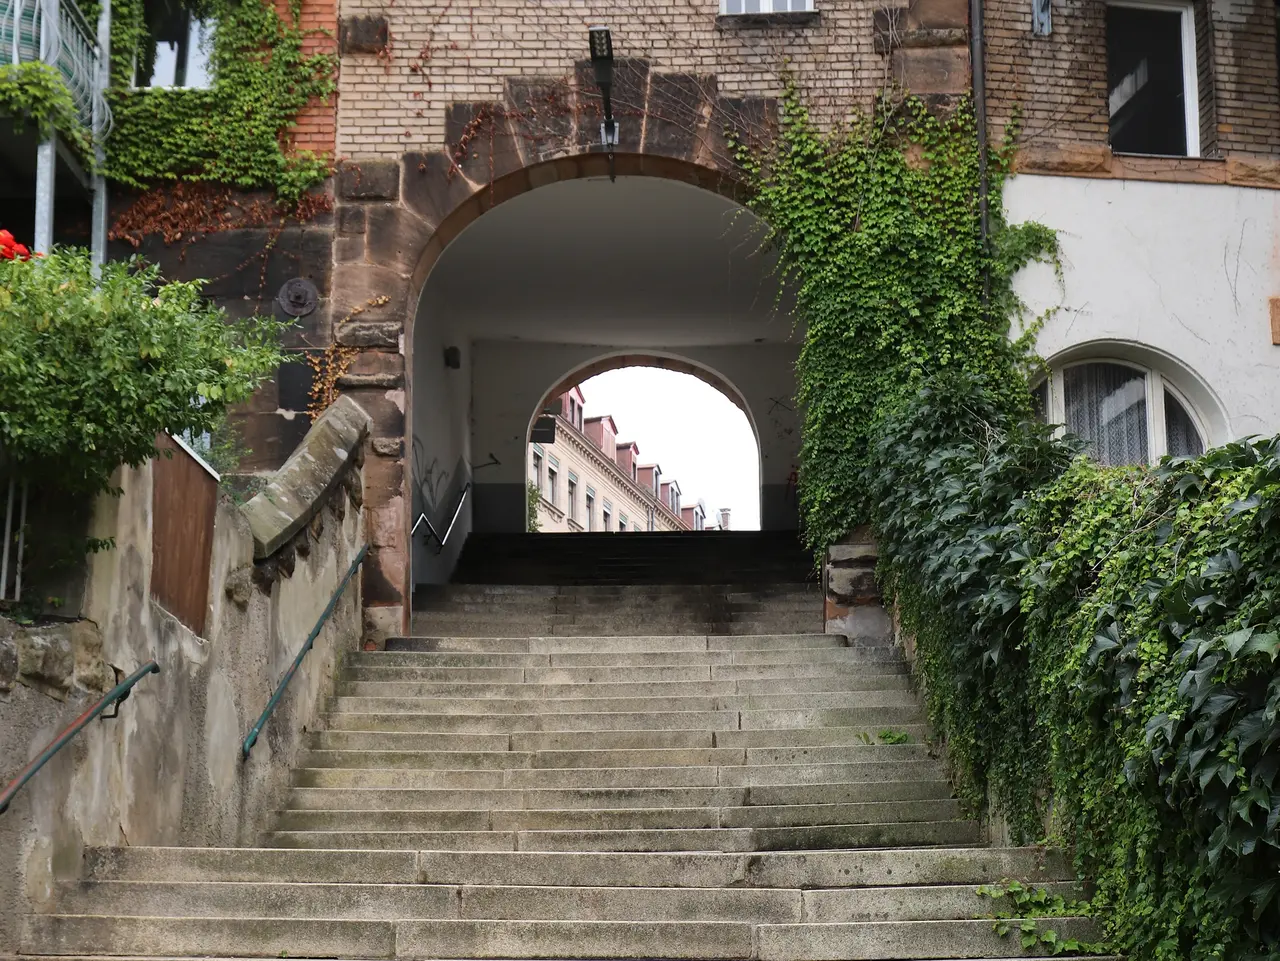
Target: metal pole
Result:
[98, 235]
[8, 536]
[46, 153]
[22, 544]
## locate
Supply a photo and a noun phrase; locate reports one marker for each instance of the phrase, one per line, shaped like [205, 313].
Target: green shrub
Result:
[93, 367]
[1099, 648]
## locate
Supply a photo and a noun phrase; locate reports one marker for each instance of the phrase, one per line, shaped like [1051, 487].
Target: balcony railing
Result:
[56, 32]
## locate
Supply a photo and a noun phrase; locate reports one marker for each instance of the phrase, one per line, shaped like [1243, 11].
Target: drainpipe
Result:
[976, 55]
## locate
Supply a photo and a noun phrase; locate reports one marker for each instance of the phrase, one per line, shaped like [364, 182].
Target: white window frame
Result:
[1190, 65]
[810, 6]
[1155, 383]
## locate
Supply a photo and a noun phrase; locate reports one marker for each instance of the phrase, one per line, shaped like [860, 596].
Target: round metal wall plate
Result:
[298, 297]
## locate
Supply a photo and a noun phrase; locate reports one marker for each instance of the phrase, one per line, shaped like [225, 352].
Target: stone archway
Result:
[394, 218]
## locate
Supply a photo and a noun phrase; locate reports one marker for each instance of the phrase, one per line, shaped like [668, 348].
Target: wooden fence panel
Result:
[184, 500]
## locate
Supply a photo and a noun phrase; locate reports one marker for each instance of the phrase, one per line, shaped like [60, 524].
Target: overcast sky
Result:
[689, 428]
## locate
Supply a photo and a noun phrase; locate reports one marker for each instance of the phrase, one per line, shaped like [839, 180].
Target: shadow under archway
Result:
[576, 276]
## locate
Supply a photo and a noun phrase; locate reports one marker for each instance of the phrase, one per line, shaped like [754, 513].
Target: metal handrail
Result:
[119, 693]
[423, 519]
[252, 737]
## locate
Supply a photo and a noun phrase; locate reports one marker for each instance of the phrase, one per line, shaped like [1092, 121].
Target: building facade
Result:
[474, 256]
[587, 480]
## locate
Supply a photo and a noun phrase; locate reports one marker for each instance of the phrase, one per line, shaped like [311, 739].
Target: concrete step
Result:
[866, 718]
[879, 670]
[392, 902]
[436, 799]
[458, 706]
[345, 740]
[909, 833]
[486, 939]
[672, 757]
[676, 776]
[618, 819]
[879, 940]
[623, 606]
[777, 869]
[507, 902]
[202, 937]
[694, 641]
[478, 656]
[685, 687]
[572, 626]
[575, 939]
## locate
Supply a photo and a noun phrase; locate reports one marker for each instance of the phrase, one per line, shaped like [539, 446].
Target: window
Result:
[635, 473]
[551, 485]
[622, 523]
[1127, 414]
[571, 499]
[591, 509]
[175, 50]
[1152, 88]
[733, 7]
[537, 471]
[606, 515]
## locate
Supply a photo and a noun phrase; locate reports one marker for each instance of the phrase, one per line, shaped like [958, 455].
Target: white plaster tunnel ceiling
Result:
[641, 262]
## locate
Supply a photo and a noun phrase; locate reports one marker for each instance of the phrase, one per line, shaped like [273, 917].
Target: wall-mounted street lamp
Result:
[602, 62]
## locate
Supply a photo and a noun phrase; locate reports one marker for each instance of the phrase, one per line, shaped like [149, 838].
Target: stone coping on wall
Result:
[299, 488]
[1100, 162]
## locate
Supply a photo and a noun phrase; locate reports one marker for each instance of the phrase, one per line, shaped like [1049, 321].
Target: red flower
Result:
[10, 249]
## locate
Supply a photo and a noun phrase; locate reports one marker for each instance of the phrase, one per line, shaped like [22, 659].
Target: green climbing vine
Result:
[877, 228]
[1099, 650]
[35, 93]
[231, 133]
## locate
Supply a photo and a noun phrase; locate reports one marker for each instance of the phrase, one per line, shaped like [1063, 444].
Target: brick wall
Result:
[317, 125]
[1060, 80]
[1244, 52]
[456, 51]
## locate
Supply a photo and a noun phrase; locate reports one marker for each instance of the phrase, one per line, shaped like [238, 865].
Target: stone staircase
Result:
[620, 772]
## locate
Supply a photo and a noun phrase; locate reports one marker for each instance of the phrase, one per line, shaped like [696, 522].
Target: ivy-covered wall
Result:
[235, 131]
[877, 226]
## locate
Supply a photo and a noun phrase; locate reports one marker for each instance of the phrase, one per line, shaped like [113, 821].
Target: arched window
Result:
[1127, 413]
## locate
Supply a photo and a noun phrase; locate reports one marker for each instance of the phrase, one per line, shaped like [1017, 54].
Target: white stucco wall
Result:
[1177, 276]
[439, 439]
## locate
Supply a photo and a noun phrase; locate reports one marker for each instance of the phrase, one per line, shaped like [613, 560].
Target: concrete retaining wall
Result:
[168, 770]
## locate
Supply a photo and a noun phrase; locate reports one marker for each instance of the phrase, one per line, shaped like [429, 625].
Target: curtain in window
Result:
[1180, 431]
[1106, 404]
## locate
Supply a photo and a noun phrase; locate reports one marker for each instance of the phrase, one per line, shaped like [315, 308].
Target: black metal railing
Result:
[117, 694]
[252, 737]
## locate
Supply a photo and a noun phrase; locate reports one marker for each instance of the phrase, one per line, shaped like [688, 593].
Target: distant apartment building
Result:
[588, 480]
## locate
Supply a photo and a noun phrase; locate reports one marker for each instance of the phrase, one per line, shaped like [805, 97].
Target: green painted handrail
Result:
[252, 737]
[117, 694]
